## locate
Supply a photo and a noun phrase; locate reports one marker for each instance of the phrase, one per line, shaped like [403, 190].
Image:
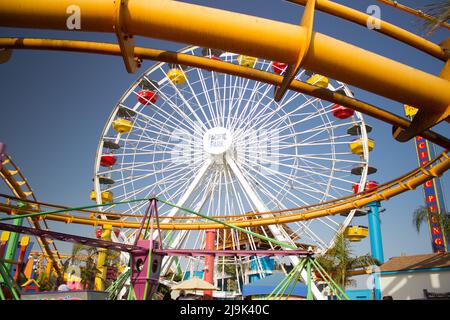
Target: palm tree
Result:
[438, 10]
[88, 255]
[339, 261]
[420, 216]
[85, 257]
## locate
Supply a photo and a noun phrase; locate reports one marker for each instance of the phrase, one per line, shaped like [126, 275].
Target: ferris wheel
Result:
[220, 145]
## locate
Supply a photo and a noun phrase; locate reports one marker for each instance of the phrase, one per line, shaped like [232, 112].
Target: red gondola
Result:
[145, 96]
[108, 160]
[369, 185]
[278, 67]
[341, 112]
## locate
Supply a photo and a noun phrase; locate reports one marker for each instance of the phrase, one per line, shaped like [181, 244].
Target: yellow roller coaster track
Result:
[220, 66]
[262, 38]
[259, 37]
[16, 181]
[409, 181]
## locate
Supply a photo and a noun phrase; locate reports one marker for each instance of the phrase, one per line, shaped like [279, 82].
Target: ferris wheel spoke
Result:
[178, 109]
[250, 114]
[303, 117]
[319, 167]
[173, 181]
[217, 99]
[188, 81]
[241, 114]
[197, 100]
[227, 109]
[240, 99]
[128, 166]
[201, 172]
[288, 182]
[174, 121]
[264, 119]
[272, 185]
[265, 123]
[318, 129]
[307, 232]
[125, 181]
[239, 88]
[133, 195]
[312, 172]
[232, 100]
[147, 131]
[205, 92]
[312, 157]
[170, 134]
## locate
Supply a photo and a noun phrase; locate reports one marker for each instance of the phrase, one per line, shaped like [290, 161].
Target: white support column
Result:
[180, 237]
[273, 228]
[190, 189]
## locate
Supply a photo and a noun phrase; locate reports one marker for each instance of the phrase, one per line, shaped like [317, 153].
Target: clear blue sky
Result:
[54, 106]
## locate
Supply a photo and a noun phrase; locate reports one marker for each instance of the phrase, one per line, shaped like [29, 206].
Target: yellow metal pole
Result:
[100, 277]
[407, 182]
[386, 28]
[220, 66]
[214, 28]
[48, 268]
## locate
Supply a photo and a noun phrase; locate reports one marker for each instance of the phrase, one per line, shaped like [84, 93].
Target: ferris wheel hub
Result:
[217, 140]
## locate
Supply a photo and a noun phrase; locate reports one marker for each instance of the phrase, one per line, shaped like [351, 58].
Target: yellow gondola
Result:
[318, 80]
[356, 146]
[122, 125]
[247, 61]
[107, 196]
[356, 233]
[177, 76]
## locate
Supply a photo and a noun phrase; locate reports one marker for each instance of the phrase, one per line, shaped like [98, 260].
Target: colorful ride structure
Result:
[14, 252]
[256, 131]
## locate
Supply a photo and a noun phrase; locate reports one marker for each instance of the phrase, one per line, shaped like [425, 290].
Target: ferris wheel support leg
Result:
[178, 241]
[167, 262]
[190, 189]
[276, 232]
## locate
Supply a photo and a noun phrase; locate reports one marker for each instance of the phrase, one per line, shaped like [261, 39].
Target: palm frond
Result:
[440, 11]
[420, 216]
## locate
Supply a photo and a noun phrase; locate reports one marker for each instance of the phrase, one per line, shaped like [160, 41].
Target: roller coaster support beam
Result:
[376, 241]
[2, 152]
[12, 244]
[100, 276]
[245, 34]
[209, 261]
[15, 186]
[72, 238]
[220, 66]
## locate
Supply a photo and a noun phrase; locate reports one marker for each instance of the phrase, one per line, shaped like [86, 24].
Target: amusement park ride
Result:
[243, 147]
